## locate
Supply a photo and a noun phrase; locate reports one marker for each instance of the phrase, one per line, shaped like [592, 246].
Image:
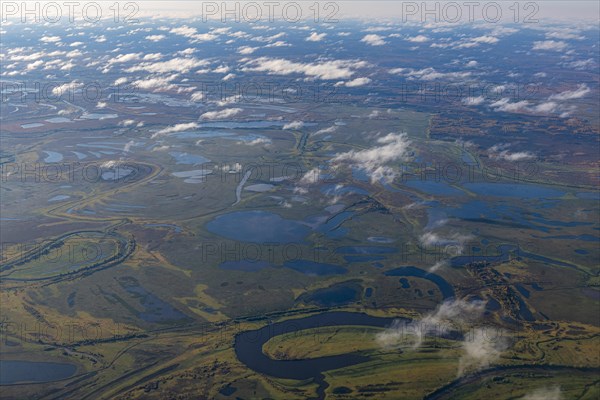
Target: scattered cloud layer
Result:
[373, 40]
[501, 152]
[480, 347]
[390, 148]
[175, 128]
[316, 37]
[337, 69]
[222, 114]
[549, 45]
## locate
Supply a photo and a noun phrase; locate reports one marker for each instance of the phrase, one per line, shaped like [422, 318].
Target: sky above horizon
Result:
[416, 12]
[411, 11]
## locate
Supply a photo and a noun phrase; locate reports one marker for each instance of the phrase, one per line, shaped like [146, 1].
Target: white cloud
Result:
[131, 143]
[418, 39]
[127, 122]
[193, 34]
[448, 316]
[279, 43]
[294, 125]
[184, 31]
[175, 128]
[269, 38]
[549, 45]
[182, 65]
[552, 105]
[454, 244]
[337, 69]
[546, 107]
[239, 34]
[256, 142]
[161, 148]
[50, 39]
[220, 31]
[66, 87]
[485, 39]
[29, 57]
[396, 71]
[480, 349]
[473, 101]
[157, 84]
[357, 82]
[503, 30]
[438, 265]
[152, 57]
[430, 74]
[373, 40]
[310, 177]
[519, 156]
[505, 105]
[197, 96]
[221, 69]
[123, 58]
[582, 64]
[34, 65]
[222, 114]
[74, 53]
[581, 91]
[155, 38]
[187, 52]
[316, 37]
[378, 29]
[500, 152]
[331, 129]
[247, 49]
[66, 66]
[564, 34]
[393, 147]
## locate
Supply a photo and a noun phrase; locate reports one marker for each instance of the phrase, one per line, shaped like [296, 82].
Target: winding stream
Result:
[249, 347]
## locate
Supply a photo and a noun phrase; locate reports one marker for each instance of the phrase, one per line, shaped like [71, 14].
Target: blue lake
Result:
[258, 227]
[522, 191]
[332, 226]
[244, 265]
[366, 250]
[335, 295]
[445, 288]
[588, 195]
[12, 372]
[363, 258]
